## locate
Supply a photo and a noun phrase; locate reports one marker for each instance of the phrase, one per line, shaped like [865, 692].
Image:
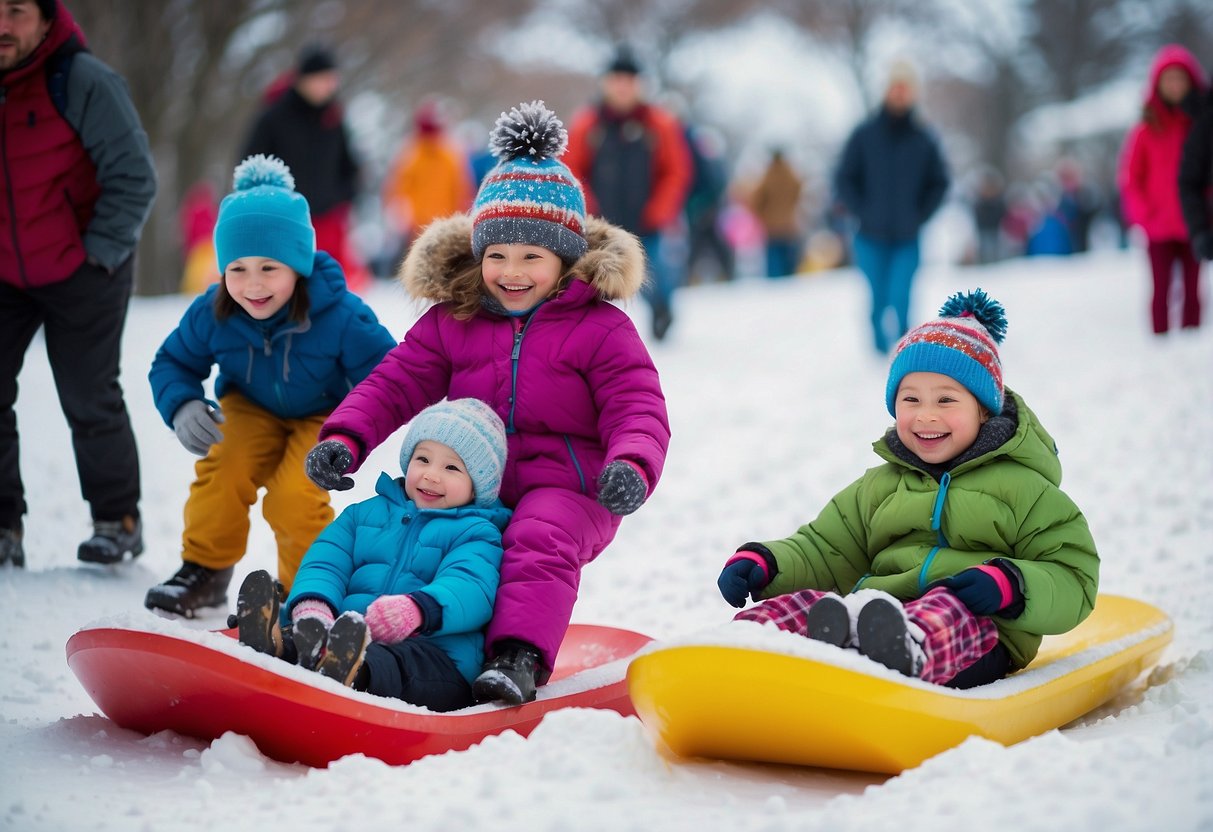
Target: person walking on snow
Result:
[1149, 182]
[523, 320]
[289, 340]
[76, 187]
[950, 560]
[892, 178]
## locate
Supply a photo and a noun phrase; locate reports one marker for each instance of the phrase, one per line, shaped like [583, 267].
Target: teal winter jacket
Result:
[449, 560]
[898, 528]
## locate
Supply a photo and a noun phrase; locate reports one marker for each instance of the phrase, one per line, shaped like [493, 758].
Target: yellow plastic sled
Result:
[747, 704]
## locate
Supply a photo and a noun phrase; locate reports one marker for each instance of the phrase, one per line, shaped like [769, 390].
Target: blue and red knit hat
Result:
[962, 343]
[530, 197]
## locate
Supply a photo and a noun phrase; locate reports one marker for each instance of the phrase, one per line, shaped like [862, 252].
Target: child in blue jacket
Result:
[393, 596]
[289, 340]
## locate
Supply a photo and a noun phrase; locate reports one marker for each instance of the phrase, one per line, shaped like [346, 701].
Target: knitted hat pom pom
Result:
[262, 170]
[980, 306]
[528, 131]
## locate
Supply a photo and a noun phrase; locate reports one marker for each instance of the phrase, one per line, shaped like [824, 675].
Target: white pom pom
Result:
[263, 170]
[528, 131]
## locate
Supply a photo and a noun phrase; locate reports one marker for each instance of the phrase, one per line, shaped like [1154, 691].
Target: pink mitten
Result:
[313, 608]
[393, 618]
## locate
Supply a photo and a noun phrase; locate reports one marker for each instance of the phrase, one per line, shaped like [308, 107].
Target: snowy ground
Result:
[774, 398]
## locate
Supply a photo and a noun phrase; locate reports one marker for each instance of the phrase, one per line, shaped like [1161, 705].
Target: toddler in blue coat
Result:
[393, 595]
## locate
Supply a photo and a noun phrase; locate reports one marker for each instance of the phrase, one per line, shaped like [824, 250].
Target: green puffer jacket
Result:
[898, 528]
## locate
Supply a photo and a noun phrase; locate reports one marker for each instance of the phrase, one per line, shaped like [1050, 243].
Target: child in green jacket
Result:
[953, 558]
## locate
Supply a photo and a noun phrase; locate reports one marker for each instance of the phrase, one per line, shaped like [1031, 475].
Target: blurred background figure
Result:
[197, 214]
[430, 178]
[302, 123]
[1149, 182]
[1196, 176]
[989, 212]
[706, 243]
[632, 159]
[1078, 203]
[892, 178]
[775, 201]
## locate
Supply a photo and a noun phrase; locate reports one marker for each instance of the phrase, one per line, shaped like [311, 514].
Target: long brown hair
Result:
[226, 305]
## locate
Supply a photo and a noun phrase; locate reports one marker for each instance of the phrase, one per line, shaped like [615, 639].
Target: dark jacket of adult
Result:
[891, 176]
[1196, 173]
[75, 185]
[313, 142]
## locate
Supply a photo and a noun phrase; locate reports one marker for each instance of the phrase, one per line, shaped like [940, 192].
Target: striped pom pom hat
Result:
[962, 343]
[530, 197]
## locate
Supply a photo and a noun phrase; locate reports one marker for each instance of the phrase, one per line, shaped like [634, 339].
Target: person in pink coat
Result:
[523, 320]
[1149, 181]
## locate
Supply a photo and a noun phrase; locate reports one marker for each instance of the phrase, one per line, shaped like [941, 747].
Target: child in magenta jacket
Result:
[1149, 181]
[523, 321]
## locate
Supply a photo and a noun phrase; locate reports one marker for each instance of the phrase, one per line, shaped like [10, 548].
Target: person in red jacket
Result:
[634, 165]
[1149, 182]
[76, 186]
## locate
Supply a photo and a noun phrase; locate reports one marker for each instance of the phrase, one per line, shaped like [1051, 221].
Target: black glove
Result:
[195, 426]
[327, 462]
[622, 488]
[1202, 245]
[740, 578]
[980, 592]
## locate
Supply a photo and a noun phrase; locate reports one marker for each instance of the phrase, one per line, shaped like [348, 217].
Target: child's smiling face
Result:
[260, 285]
[937, 417]
[520, 276]
[436, 477]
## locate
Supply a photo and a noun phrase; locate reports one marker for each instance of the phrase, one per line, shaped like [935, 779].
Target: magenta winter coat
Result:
[573, 383]
[1149, 164]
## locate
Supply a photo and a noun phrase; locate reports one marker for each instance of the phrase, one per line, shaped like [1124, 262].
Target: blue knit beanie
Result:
[264, 216]
[530, 197]
[470, 428]
[962, 343]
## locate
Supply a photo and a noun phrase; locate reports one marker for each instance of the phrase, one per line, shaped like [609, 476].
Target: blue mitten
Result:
[980, 589]
[741, 577]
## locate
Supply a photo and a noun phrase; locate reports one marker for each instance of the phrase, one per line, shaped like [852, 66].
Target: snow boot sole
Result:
[310, 636]
[345, 648]
[884, 637]
[257, 614]
[828, 621]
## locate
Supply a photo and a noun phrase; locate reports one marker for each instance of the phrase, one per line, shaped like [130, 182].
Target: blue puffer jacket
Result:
[291, 369]
[448, 560]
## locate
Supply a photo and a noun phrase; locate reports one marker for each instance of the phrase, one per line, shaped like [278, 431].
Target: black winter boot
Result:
[309, 635]
[257, 613]
[192, 588]
[345, 648]
[886, 636]
[11, 550]
[511, 676]
[112, 540]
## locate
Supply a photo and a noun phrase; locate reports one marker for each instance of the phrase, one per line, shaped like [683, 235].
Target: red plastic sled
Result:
[151, 682]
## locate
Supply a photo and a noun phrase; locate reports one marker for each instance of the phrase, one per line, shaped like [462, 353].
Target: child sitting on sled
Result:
[393, 596]
[953, 558]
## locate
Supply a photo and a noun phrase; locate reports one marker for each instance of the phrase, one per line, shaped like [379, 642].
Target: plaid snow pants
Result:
[955, 637]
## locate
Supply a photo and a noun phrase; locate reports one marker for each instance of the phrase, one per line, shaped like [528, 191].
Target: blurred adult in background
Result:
[1196, 175]
[705, 202]
[302, 123]
[989, 211]
[892, 178]
[1149, 182]
[1078, 203]
[634, 165]
[429, 179]
[775, 201]
[76, 186]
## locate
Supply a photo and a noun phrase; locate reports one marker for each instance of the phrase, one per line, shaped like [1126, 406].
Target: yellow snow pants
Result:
[258, 450]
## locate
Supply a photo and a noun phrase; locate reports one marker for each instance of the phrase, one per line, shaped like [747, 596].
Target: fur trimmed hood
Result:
[614, 264]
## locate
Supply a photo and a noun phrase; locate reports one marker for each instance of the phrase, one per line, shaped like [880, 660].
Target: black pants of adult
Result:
[83, 318]
[416, 671]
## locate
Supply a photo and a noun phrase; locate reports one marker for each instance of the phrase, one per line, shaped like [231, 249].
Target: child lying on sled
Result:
[953, 558]
[393, 596]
